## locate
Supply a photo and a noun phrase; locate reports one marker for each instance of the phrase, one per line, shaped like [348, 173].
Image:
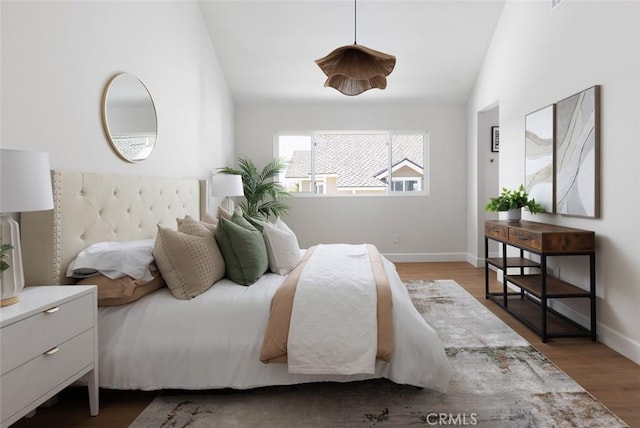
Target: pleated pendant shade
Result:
[353, 69]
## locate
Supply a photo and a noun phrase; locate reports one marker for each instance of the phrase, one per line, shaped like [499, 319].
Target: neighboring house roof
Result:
[355, 159]
[299, 164]
[399, 165]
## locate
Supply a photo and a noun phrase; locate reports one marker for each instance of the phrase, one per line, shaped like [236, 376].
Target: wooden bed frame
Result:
[92, 207]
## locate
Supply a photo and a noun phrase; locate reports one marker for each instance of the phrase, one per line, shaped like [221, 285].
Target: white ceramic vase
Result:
[514, 214]
[10, 288]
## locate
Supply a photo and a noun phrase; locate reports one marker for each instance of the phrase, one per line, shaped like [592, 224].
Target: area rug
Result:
[499, 380]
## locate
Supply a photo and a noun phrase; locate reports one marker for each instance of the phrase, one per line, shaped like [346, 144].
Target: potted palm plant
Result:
[263, 195]
[4, 249]
[513, 201]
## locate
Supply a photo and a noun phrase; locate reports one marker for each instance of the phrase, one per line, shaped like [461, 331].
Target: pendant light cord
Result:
[355, 23]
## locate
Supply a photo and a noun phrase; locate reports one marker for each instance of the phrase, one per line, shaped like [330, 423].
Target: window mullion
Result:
[389, 164]
[313, 164]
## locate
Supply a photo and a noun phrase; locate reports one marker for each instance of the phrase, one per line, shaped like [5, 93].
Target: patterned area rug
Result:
[499, 380]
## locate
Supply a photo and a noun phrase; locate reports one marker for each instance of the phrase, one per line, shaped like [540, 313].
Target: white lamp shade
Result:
[226, 185]
[25, 181]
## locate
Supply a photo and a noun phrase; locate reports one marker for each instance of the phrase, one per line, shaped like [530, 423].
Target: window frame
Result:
[426, 180]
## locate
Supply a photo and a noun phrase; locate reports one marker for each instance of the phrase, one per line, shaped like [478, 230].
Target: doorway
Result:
[488, 167]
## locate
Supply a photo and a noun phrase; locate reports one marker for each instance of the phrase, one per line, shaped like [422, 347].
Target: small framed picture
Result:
[495, 138]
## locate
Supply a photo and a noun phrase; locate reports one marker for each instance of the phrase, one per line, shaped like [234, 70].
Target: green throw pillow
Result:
[258, 224]
[243, 249]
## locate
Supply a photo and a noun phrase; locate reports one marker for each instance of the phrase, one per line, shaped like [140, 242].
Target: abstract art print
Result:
[539, 133]
[577, 154]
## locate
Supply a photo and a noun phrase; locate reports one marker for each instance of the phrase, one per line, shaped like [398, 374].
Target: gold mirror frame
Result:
[129, 117]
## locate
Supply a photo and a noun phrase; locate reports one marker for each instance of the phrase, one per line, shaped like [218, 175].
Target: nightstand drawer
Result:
[30, 337]
[36, 377]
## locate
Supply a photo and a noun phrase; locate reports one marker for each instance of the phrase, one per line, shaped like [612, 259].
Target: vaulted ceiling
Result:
[267, 48]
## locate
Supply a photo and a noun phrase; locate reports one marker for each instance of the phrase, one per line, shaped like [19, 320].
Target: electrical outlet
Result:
[395, 237]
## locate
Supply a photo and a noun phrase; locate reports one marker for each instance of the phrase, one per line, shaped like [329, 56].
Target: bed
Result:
[213, 340]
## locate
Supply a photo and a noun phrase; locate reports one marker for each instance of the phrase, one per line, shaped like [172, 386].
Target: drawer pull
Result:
[52, 310]
[52, 351]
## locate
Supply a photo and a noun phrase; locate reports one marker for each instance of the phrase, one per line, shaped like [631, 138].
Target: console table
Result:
[528, 301]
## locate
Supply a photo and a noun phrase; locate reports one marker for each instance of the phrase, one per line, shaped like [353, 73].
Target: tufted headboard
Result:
[90, 208]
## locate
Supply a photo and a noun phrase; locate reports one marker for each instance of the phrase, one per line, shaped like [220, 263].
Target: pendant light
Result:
[353, 69]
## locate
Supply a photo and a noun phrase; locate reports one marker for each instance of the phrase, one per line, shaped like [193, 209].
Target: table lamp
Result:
[25, 185]
[226, 185]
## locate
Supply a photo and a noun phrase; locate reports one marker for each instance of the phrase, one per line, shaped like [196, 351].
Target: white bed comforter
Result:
[214, 341]
[333, 327]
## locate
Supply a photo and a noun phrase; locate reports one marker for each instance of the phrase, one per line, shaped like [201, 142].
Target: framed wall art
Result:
[495, 138]
[539, 166]
[577, 154]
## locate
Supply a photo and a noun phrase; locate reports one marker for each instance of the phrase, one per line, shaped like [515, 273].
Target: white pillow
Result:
[114, 260]
[282, 247]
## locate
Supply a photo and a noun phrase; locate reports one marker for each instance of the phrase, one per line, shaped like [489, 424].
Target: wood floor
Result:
[608, 376]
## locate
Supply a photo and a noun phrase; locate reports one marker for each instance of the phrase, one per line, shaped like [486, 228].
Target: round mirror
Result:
[129, 117]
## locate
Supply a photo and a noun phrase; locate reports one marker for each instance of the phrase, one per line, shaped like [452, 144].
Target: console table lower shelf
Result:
[527, 308]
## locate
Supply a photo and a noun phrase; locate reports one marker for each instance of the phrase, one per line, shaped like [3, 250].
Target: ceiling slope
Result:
[267, 48]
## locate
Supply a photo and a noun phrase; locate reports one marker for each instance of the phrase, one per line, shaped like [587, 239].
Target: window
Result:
[353, 163]
[405, 185]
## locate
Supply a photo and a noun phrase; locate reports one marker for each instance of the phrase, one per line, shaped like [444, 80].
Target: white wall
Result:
[58, 56]
[541, 55]
[430, 227]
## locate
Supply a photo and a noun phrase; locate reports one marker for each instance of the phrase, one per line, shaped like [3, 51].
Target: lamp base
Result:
[228, 205]
[9, 301]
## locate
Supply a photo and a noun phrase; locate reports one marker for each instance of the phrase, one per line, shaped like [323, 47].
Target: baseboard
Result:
[425, 257]
[619, 343]
[606, 335]
[437, 257]
[477, 261]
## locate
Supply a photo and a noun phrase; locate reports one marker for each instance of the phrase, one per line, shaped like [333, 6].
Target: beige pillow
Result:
[207, 218]
[188, 258]
[191, 226]
[120, 291]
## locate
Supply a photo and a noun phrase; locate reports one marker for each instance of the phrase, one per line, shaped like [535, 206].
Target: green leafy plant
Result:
[262, 194]
[514, 199]
[4, 248]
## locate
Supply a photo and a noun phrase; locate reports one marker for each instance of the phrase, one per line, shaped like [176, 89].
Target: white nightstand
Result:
[48, 340]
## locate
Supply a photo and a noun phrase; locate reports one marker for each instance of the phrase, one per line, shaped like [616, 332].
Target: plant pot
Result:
[514, 214]
[9, 294]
